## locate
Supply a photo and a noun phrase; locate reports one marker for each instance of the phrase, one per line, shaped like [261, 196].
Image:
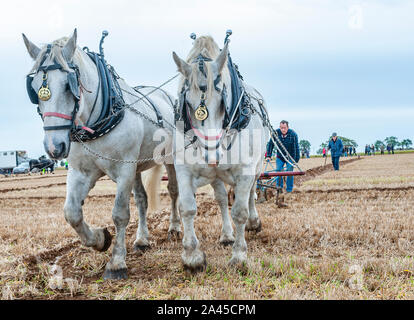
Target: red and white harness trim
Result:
[66, 117]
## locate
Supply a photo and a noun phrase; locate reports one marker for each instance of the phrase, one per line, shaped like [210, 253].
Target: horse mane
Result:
[206, 46]
[56, 54]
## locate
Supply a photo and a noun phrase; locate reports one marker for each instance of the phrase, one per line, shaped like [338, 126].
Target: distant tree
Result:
[304, 145]
[392, 141]
[323, 145]
[378, 145]
[407, 143]
[345, 141]
[348, 142]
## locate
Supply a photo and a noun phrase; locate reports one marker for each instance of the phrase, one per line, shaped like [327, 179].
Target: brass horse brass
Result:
[201, 113]
[44, 93]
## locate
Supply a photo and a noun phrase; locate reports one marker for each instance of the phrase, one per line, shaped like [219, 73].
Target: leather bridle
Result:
[73, 86]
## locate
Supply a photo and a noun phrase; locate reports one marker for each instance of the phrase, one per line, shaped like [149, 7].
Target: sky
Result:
[325, 66]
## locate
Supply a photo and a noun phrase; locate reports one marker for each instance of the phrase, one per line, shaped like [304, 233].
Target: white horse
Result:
[204, 75]
[130, 142]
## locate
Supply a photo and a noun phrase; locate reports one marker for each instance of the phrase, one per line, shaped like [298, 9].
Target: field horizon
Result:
[344, 235]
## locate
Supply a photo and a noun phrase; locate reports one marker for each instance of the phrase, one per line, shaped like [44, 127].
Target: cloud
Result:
[302, 55]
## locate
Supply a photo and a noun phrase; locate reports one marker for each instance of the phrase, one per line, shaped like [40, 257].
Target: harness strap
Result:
[216, 82]
[58, 115]
[57, 66]
[198, 132]
[66, 117]
[69, 126]
[156, 110]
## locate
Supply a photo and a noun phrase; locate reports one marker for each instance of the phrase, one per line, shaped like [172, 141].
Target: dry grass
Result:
[345, 235]
[309, 163]
[375, 171]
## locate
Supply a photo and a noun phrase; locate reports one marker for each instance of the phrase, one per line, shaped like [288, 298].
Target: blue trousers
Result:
[335, 162]
[289, 180]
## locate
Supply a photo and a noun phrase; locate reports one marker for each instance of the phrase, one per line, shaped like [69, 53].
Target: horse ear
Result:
[31, 47]
[182, 66]
[69, 49]
[222, 58]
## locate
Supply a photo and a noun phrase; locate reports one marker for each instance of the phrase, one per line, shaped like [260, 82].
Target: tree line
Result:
[393, 141]
[304, 145]
[347, 142]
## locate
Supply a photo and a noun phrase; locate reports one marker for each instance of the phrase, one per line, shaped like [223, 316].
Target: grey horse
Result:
[131, 140]
[204, 75]
[122, 154]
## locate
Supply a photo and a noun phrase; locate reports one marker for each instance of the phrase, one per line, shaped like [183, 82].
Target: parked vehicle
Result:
[11, 159]
[22, 168]
[42, 163]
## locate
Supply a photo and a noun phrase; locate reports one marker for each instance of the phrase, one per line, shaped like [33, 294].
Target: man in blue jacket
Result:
[289, 139]
[337, 148]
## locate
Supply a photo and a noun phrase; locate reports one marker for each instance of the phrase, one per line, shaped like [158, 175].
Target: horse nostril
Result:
[59, 150]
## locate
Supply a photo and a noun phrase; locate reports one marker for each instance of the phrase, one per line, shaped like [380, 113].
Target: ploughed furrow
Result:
[314, 172]
[34, 187]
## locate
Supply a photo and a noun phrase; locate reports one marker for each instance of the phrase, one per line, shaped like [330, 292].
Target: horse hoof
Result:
[238, 264]
[196, 266]
[255, 227]
[174, 235]
[226, 243]
[141, 248]
[120, 274]
[107, 240]
[195, 269]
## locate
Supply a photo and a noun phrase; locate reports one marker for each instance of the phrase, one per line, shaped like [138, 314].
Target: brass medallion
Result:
[201, 113]
[44, 93]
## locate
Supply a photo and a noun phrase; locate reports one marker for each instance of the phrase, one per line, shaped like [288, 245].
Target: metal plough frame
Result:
[268, 180]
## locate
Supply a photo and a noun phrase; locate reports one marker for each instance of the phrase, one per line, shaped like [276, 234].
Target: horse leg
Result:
[240, 214]
[253, 223]
[141, 242]
[220, 194]
[193, 258]
[174, 231]
[78, 187]
[116, 268]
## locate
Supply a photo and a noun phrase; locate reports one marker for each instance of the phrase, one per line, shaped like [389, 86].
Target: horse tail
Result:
[152, 181]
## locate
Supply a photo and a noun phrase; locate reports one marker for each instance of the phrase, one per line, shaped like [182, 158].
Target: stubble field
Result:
[344, 235]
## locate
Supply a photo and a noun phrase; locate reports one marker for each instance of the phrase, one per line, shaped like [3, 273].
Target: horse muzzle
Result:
[56, 149]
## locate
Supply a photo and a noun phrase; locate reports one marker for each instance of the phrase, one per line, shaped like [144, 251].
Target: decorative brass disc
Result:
[201, 113]
[44, 93]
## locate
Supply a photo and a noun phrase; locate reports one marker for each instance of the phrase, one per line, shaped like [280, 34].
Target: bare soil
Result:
[344, 235]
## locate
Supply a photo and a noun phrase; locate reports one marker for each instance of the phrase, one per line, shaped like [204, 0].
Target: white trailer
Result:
[11, 159]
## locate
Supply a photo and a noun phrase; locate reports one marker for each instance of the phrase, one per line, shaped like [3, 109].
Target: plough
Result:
[265, 184]
[268, 182]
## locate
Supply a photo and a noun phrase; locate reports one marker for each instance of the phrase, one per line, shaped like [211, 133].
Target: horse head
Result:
[54, 85]
[204, 80]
